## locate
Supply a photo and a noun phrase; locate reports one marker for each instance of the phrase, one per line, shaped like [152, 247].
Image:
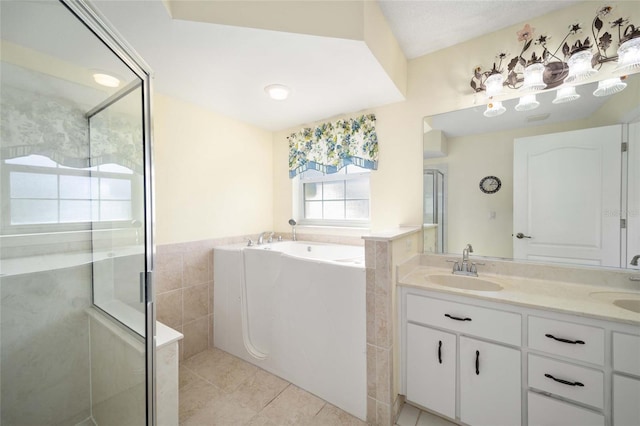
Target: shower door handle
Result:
[142, 286]
[520, 236]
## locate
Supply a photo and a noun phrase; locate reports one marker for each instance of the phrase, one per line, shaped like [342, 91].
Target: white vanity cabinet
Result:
[626, 387]
[489, 377]
[431, 369]
[442, 361]
[515, 365]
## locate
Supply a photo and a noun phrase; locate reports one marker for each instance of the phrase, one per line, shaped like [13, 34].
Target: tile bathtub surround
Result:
[184, 285]
[217, 388]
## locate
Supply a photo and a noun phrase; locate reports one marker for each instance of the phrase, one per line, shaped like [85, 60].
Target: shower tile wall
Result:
[45, 350]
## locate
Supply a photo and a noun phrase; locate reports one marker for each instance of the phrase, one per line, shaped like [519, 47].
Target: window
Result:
[42, 192]
[340, 198]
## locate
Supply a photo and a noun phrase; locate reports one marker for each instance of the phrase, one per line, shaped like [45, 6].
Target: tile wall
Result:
[184, 286]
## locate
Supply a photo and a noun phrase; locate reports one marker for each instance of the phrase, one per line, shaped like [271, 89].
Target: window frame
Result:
[299, 204]
[10, 229]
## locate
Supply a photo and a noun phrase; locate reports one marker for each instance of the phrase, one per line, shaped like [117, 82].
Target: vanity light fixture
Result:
[527, 103]
[494, 109]
[277, 92]
[539, 66]
[610, 86]
[106, 80]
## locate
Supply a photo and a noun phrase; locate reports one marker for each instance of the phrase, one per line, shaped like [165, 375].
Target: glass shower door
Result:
[77, 321]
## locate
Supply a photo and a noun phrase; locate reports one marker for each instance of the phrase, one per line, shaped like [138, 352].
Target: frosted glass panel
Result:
[115, 189]
[75, 211]
[78, 187]
[357, 210]
[334, 209]
[25, 212]
[313, 210]
[33, 185]
[115, 210]
[313, 191]
[333, 190]
[358, 188]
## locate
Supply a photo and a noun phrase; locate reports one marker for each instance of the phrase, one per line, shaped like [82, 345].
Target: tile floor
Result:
[412, 416]
[217, 388]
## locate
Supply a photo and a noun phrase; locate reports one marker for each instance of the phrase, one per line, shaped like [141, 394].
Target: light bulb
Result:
[278, 92]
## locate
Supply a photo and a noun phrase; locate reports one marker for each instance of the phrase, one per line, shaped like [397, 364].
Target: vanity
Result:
[522, 344]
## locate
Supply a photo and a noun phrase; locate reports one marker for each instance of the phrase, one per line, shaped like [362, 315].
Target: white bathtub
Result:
[297, 310]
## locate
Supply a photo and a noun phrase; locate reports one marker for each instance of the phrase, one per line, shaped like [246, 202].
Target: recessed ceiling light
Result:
[106, 80]
[278, 92]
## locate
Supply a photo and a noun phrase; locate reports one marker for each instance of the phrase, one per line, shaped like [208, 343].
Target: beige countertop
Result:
[571, 298]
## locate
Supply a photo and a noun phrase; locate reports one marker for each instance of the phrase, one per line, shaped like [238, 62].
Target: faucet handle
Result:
[474, 269]
[456, 265]
[249, 242]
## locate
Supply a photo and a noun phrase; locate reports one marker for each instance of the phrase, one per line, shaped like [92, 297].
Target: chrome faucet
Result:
[465, 268]
[635, 259]
[261, 237]
[270, 240]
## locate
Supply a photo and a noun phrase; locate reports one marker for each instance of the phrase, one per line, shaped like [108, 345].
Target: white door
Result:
[431, 369]
[490, 392]
[566, 199]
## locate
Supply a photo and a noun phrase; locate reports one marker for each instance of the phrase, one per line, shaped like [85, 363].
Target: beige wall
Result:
[437, 83]
[213, 174]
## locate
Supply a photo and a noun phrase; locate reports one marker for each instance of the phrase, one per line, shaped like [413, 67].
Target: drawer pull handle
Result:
[564, 382]
[477, 363]
[456, 318]
[440, 351]
[573, 342]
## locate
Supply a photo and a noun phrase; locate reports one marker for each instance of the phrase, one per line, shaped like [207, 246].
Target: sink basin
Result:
[628, 301]
[464, 282]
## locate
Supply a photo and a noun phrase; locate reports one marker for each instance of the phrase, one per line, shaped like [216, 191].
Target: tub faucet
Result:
[261, 237]
[270, 240]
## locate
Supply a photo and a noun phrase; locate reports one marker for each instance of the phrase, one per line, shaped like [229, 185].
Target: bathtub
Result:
[297, 310]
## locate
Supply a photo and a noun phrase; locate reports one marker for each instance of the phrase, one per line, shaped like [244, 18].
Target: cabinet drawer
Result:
[626, 353]
[545, 411]
[473, 320]
[557, 337]
[591, 392]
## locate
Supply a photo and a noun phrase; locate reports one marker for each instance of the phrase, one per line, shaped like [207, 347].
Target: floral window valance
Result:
[331, 146]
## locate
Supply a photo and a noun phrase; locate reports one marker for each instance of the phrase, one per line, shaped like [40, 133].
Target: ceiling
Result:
[225, 68]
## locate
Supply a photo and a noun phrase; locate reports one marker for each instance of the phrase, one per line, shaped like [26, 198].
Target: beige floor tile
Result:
[196, 396]
[260, 420]
[294, 406]
[187, 377]
[333, 416]
[220, 368]
[221, 410]
[259, 390]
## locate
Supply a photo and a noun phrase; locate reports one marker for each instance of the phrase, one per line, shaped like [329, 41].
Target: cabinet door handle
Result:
[564, 382]
[573, 342]
[456, 318]
[440, 351]
[477, 362]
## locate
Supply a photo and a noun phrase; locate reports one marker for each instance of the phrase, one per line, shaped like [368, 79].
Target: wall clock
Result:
[490, 184]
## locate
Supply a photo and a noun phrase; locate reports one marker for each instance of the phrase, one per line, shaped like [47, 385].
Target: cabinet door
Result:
[626, 401]
[431, 369]
[490, 386]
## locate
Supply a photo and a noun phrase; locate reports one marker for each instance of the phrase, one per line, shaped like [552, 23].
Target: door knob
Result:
[520, 236]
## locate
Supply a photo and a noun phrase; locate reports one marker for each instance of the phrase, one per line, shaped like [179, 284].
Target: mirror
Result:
[552, 202]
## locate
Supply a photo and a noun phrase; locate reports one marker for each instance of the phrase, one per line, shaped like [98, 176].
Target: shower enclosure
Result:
[434, 220]
[77, 321]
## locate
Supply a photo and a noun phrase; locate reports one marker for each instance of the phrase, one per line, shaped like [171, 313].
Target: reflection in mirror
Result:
[565, 181]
